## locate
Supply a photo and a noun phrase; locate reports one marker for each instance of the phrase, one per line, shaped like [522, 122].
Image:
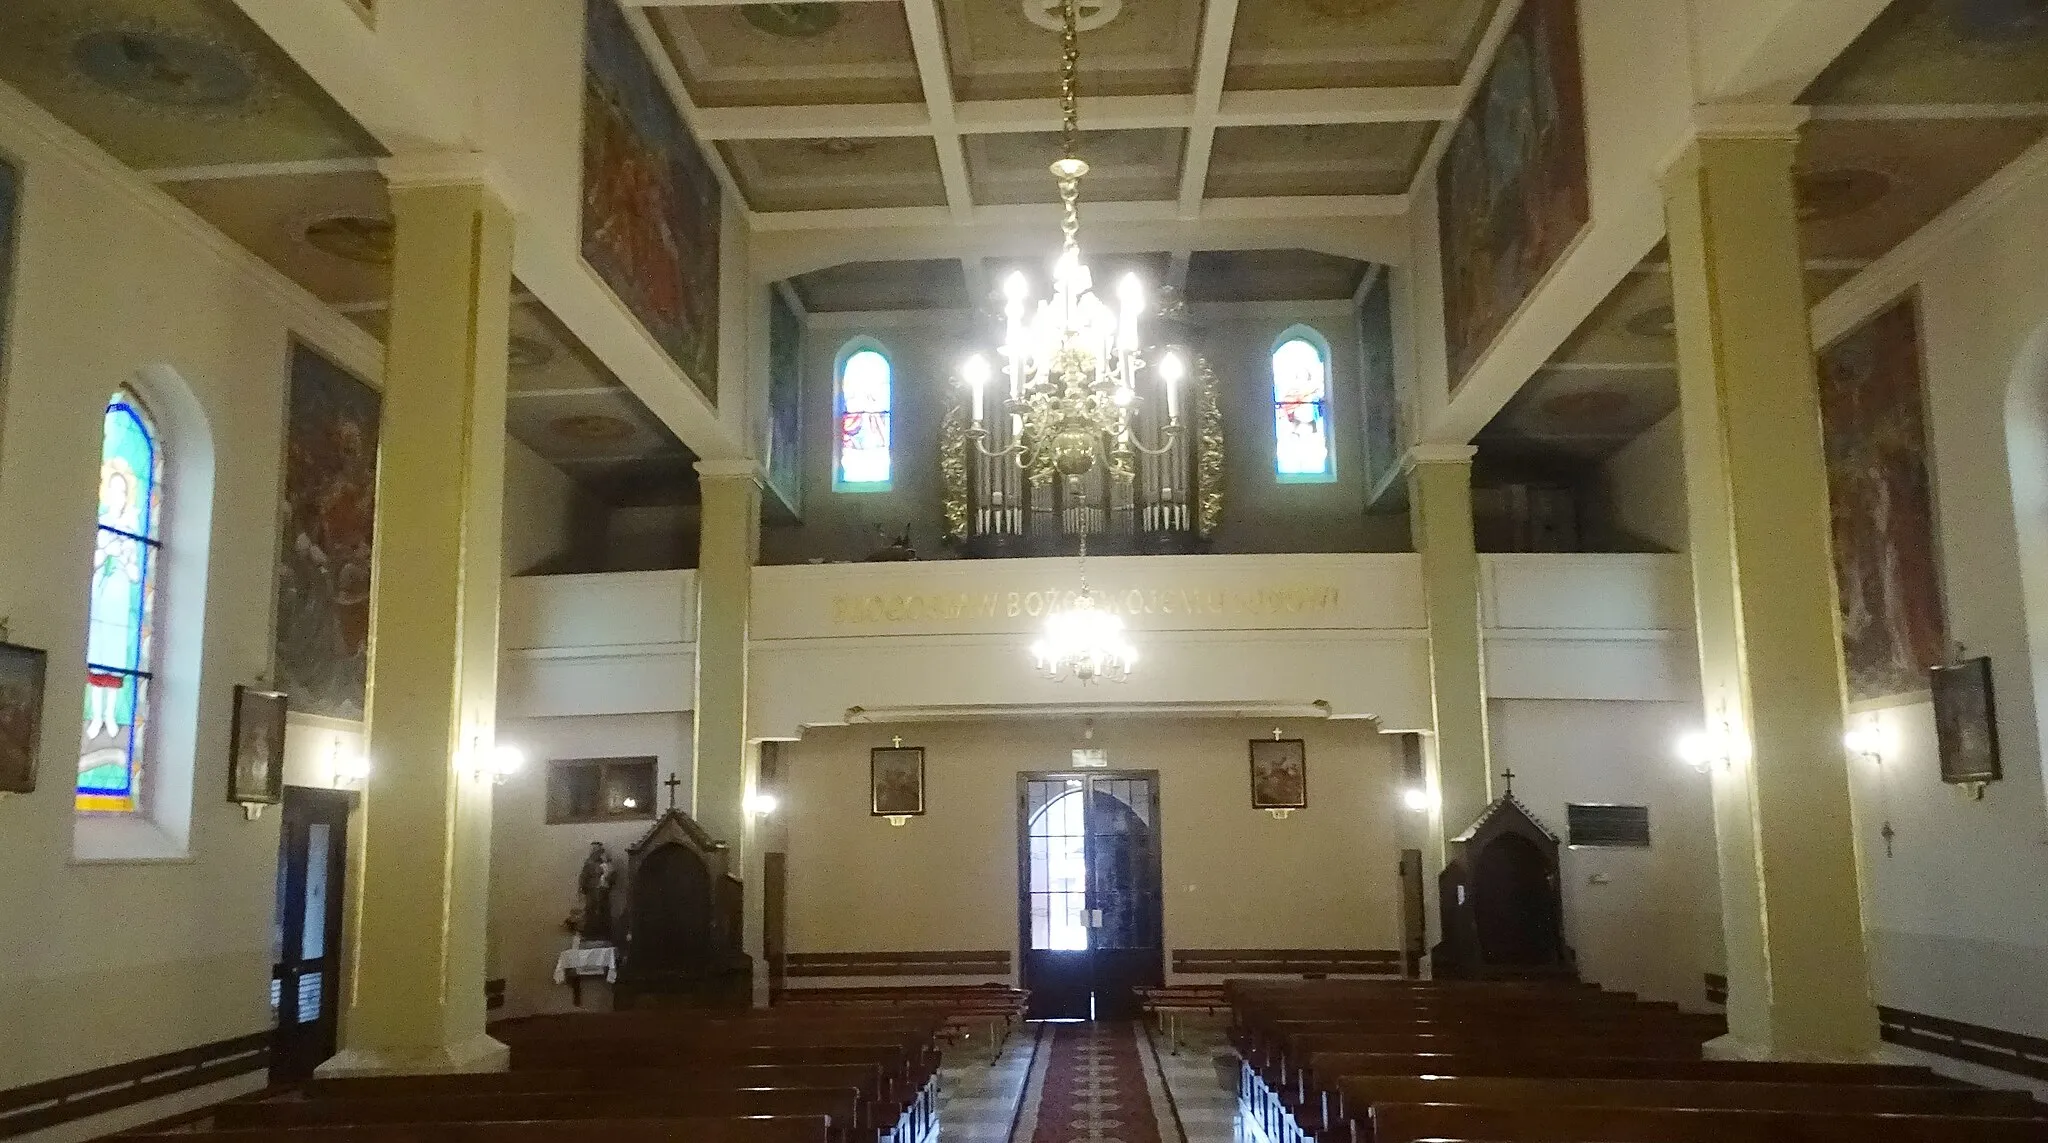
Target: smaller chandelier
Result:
[1085, 642]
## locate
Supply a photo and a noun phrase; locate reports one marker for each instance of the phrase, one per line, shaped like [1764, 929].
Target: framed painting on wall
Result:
[1279, 773]
[320, 651]
[1513, 190]
[1882, 506]
[652, 207]
[256, 747]
[896, 781]
[22, 671]
[1966, 723]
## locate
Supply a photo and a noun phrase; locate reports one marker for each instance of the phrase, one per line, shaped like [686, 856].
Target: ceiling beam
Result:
[1219, 28]
[1278, 208]
[296, 169]
[935, 72]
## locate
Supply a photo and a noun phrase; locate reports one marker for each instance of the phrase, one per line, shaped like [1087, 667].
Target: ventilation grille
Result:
[1609, 827]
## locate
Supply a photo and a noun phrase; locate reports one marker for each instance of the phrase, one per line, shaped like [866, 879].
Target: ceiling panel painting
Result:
[863, 287]
[750, 55]
[1632, 327]
[172, 83]
[1944, 51]
[1583, 413]
[1136, 165]
[544, 357]
[1355, 43]
[1317, 159]
[997, 52]
[1866, 185]
[1272, 276]
[330, 233]
[826, 174]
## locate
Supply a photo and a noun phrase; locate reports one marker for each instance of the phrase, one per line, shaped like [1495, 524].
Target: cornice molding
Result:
[1422, 454]
[729, 469]
[309, 317]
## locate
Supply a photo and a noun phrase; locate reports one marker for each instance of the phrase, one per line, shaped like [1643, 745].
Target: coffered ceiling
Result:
[1189, 106]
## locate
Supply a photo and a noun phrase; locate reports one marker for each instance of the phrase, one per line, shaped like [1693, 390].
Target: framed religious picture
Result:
[1966, 723]
[22, 671]
[1279, 773]
[896, 781]
[256, 748]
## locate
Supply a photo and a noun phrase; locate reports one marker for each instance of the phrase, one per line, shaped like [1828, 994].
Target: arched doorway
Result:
[1089, 903]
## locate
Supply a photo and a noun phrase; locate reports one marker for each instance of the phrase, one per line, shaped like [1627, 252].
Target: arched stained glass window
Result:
[121, 615]
[865, 431]
[1301, 408]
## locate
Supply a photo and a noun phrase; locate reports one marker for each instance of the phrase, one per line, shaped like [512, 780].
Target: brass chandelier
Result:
[1072, 364]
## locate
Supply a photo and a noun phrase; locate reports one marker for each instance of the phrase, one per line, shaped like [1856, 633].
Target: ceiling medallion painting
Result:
[524, 352]
[165, 68]
[352, 237]
[1088, 16]
[1658, 323]
[792, 21]
[840, 148]
[1342, 10]
[591, 428]
[1839, 192]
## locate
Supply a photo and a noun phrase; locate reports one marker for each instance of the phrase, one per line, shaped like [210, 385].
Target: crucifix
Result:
[674, 783]
[897, 742]
[1509, 774]
[1887, 833]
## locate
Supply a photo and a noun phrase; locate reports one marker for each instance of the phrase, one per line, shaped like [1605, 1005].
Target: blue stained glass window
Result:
[1301, 411]
[121, 612]
[864, 421]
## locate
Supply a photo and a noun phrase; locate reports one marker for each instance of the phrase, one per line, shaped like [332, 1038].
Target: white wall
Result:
[538, 503]
[1959, 912]
[534, 865]
[1646, 921]
[106, 962]
[1645, 485]
[1233, 877]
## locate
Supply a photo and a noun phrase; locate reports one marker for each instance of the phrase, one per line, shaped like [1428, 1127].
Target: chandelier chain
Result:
[1070, 76]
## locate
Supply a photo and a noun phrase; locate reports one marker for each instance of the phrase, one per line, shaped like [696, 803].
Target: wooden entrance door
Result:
[305, 984]
[1089, 909]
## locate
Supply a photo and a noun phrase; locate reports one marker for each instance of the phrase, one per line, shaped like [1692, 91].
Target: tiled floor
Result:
[1193, 1093]
[1201, 1084]
[978, 1103]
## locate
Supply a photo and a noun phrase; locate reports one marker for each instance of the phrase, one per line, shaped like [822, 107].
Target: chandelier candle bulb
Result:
[977, 373]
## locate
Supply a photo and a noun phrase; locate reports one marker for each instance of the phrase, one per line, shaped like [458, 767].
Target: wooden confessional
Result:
[682, 921]
[1501, 900]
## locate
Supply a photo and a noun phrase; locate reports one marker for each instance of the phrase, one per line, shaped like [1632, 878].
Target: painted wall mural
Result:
[1380, 400]
[1887, 571]
[1512, 191]
[321, 655]
[652, 207]
[785, 401]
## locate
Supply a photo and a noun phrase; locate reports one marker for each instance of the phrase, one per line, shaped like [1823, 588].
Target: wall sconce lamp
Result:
[494, 764]
[1420, 799]
[347, 768]
[761, 805]
[1872, 740]
[1710, 749]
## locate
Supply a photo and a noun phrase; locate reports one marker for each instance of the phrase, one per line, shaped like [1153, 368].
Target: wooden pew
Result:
[1326, 1072]
[839, 1107]
[763, 1129]
[1419, 1122]
[1492, 1091]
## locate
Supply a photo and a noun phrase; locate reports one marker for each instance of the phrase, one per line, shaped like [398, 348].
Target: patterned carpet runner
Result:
[1095, 1088]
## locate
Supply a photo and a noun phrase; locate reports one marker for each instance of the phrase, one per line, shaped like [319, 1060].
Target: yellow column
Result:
[415, 999]
[728, 542]
[729, 536]
[1440, 516]
[1764, 591]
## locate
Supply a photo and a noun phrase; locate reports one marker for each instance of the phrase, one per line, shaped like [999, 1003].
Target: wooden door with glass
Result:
[1090, 912]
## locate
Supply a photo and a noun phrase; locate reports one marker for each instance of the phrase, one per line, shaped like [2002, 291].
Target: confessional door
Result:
[305, 986]
[1090, 912]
